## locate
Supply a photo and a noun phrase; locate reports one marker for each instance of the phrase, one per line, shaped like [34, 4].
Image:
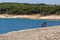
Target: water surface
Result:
[14, 24]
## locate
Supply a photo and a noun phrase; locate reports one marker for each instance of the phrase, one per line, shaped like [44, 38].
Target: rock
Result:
[47, 33]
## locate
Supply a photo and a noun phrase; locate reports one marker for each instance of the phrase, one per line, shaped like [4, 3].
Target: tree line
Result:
[29, 9]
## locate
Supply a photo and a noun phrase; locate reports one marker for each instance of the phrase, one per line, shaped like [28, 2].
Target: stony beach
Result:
[47, 33]
[37, 16]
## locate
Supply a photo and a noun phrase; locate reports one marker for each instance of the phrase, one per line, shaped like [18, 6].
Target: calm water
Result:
[7, 25]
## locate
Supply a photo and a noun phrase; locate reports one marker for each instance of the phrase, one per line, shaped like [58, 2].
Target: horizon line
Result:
[30, 3]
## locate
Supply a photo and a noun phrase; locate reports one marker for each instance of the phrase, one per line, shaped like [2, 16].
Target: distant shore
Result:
[37, 16]
[48, 33]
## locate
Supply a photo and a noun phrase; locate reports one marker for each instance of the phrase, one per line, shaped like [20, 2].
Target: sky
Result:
[33, 1]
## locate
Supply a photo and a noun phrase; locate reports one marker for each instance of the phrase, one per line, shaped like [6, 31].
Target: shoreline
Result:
[28, 30]
[45, 33]
[37, 16]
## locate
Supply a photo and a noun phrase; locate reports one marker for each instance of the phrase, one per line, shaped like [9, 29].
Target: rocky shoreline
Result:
[37, 16]
[47, 33]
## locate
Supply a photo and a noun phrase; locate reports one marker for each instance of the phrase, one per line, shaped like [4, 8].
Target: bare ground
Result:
[37, 16]
[47, 33]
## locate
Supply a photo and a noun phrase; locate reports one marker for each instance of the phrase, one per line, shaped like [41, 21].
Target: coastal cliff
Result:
[47, 33]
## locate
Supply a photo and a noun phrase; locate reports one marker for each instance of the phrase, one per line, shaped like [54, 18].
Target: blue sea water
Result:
[14, 24]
